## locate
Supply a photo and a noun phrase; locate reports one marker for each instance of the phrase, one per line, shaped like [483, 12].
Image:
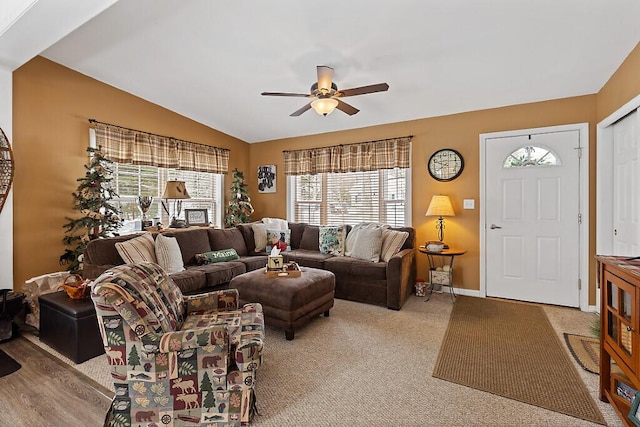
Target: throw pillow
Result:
[281, 239]
[259, 236]
[392, 241]
[138, 249]
[355, 231]
[216, 256]
[275, 223]
[169, 254]
[331, 240]
[367, 244]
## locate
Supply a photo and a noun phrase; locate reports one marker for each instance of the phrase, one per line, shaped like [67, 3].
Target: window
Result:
[351, 197]
[531, 156]
[130, 181]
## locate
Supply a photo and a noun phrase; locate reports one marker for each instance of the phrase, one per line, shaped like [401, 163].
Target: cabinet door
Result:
[620, 318]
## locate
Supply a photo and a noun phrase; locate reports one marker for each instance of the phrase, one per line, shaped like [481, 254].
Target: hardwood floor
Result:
[47, 392]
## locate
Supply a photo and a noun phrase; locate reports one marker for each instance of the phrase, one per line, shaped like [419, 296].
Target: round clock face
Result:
[445, 165]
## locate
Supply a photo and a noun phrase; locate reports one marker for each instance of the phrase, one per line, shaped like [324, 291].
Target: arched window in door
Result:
[531, 156]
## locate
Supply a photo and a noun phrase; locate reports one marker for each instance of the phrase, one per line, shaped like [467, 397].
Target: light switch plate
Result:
[469, 204]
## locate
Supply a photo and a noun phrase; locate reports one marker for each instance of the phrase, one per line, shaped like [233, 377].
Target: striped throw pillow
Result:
[392, 241]
[139, 249]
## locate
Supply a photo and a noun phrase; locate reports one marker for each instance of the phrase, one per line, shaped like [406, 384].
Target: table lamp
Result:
[177, 191]
[440, 206]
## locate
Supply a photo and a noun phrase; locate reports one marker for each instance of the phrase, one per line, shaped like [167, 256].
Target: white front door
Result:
[532, 243]
[626, 197]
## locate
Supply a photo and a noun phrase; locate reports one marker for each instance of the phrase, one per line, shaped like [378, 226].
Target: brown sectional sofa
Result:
[380, 283]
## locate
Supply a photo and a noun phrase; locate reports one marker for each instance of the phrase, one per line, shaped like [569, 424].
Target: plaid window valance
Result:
[124, 145]
[359, 157]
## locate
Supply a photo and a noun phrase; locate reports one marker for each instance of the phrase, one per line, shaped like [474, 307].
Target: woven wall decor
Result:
[6, 168]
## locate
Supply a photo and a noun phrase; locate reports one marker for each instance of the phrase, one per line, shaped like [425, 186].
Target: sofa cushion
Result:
[212, 257]
[306, 258]
[355, 267]
[254, 262]
[247, 234]
[310, 238]
[190, 280]
[392, 241]
[139, 249]
[297, 228]
[226, 238]
[168, 254]
[280, 239]
[221, 272]
[192, 242]
[331, 240]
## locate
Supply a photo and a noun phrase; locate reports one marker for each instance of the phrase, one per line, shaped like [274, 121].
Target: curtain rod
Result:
[155, 134]
[346, 145]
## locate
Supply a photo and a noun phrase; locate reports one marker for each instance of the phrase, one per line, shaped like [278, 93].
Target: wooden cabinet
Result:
[619, 280]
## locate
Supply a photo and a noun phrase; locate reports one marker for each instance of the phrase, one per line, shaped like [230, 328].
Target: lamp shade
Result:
[324, 106]
[176, 190]
[440, 206]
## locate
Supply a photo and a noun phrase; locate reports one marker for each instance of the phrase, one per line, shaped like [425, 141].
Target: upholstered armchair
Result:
[176, 360]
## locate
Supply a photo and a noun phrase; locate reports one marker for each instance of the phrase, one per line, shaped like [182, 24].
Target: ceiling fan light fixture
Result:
[324, 106]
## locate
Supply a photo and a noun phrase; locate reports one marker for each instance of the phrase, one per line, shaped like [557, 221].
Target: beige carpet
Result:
[367, 366]
[511, 349]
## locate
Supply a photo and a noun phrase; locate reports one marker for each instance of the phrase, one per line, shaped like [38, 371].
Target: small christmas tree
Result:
[239, 209]
[93, 200]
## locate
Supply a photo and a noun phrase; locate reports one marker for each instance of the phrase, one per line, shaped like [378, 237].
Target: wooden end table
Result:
[438, 259]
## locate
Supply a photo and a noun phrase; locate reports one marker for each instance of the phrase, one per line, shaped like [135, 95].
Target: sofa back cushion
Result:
[310, 238]
[104, 252]
[192, 242]
[227, 238]
[247, 235]
[297, 228]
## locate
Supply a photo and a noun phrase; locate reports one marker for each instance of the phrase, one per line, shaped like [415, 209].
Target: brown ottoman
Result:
[288, 303]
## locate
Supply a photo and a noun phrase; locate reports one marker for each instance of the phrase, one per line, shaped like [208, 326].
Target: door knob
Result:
[494, 227]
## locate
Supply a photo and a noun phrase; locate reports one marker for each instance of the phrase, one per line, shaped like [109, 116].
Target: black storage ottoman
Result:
[70, 326]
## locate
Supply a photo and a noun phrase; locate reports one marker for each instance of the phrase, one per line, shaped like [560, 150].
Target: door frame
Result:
[583, 208]
[604, 182]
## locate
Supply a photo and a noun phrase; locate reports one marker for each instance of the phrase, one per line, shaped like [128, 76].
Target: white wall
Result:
[6, 216]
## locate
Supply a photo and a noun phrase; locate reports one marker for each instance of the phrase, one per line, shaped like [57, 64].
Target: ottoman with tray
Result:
[70, 326]
[288, 302]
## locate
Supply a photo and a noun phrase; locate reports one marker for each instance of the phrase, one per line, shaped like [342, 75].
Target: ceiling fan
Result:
[327, 94]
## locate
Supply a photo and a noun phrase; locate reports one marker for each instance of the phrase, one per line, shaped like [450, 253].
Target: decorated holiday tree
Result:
[239, 209]
[98, 217]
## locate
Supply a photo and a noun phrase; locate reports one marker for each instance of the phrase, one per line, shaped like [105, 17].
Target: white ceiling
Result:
[210, 60]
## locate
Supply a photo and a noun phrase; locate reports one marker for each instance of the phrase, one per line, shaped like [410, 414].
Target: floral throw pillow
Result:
[331, 240]
[281, 239]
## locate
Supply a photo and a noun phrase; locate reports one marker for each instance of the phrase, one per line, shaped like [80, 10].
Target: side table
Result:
[441, 277]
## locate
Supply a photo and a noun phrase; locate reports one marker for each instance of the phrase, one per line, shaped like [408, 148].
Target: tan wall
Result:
[622, 86]
[459, 131]
[51, 133]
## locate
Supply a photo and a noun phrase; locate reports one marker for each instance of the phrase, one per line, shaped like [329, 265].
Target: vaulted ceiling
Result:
[210, 60]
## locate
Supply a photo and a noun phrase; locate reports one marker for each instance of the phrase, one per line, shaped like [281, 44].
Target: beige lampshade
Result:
[176, 190]
[440, 206]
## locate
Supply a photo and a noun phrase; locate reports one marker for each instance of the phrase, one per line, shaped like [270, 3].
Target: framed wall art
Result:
[196, 217]
[267, 179]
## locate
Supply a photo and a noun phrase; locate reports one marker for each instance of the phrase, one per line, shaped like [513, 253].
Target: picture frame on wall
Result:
[634, 413]
[196, 217]
[267, 179]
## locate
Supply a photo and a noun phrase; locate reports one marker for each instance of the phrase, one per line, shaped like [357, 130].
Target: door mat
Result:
[586, 351]
[7, 364]
[511, 349]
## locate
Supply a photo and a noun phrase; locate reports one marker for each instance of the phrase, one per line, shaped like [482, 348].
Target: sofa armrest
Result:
[222, 300]
[401, 274]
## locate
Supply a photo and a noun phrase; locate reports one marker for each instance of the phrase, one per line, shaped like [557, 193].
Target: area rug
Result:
[586, 351]
[8, 365]
[510, 349]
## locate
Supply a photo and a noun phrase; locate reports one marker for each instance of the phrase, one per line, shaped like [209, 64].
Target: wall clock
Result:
[6, 168]
[445, 164]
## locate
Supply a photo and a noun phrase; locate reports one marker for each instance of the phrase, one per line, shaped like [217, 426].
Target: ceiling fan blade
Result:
[300, 111]
[325, 77]
[346, 108]
[299, 95]
[380, 87]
